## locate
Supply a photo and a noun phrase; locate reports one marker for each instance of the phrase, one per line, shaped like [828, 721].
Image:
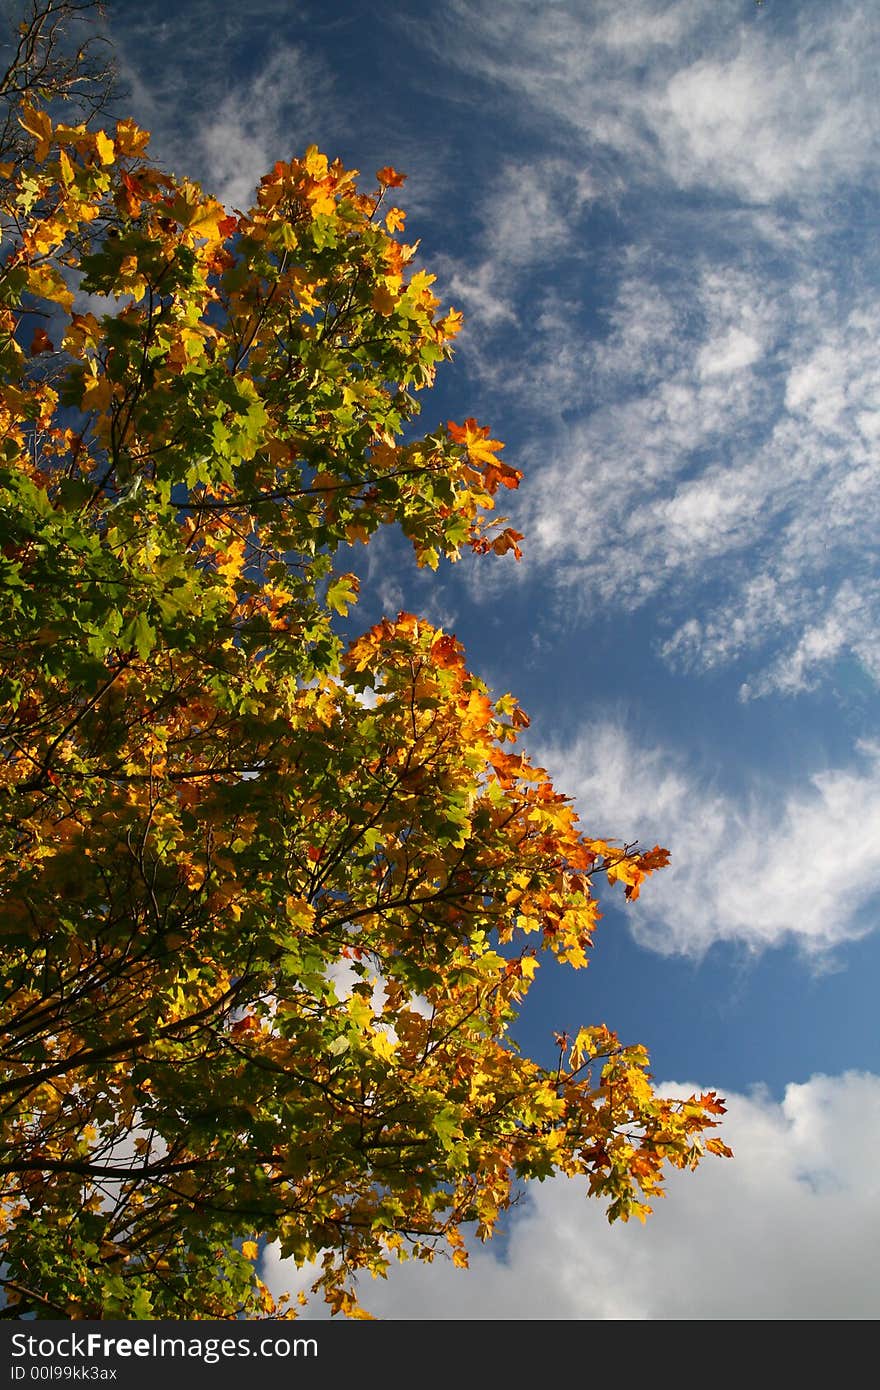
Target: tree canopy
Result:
[271, 901]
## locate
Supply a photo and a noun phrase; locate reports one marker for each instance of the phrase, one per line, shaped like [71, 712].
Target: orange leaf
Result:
[508, 541]
[501, 473]
[389, 177]
[716, 1146]
[133, 194]
[383, 301]
[244, 1025]
[481, 449]
[444, 652]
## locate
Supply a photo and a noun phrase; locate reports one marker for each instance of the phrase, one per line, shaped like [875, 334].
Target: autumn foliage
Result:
[270, 906]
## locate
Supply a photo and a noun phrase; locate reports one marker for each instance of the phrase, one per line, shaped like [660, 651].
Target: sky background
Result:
[660, 222]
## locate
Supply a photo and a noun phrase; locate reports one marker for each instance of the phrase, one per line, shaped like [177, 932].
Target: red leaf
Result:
[41, 342]
[444, 652]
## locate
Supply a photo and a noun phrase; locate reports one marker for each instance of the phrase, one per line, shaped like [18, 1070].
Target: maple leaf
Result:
[243, 1026]
[129, 139]
[384, 1046]
[97, 395]
[383, 301]
[342, 593]
[105, 147]
[132, 195]
[445, 652]
[508, 540]
[38, 124]
[390, 178]
[451, 324]
[652, 859]
[394, 219]
[476, 440]
[41, 342]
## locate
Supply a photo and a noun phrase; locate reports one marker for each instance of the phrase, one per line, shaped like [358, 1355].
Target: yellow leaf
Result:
[321, 198]
[66, 168]
[38, 124]
[231, 561]
[451, 324]
[299, 912]
[130, 139]
[250, 1249]
[97, 395]
[359, 1011]
[105, 147]
[384, 1046]
[315, 163]
[45, 237]
[476, 441]
[200, 217]
[383, 301]
[421, 280]
[46, 283]
[394, 219]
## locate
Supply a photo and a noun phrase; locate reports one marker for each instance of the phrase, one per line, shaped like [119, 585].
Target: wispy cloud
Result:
[787, 1229]
[702, 94]
[698, 389]
[796, 864]
[529, 215]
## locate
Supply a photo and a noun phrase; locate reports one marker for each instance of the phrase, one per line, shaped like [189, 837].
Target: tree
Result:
[270, 903]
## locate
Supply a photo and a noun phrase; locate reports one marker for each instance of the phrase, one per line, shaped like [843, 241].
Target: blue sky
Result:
[659, 220]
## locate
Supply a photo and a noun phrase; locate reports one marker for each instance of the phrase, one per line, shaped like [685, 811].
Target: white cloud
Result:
[799, 864]
[787, 1229]
[729, 466]
[732, 350]
[705, 95]
[849, 623]
[531, 209]
[478, 290]
[766, 129]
